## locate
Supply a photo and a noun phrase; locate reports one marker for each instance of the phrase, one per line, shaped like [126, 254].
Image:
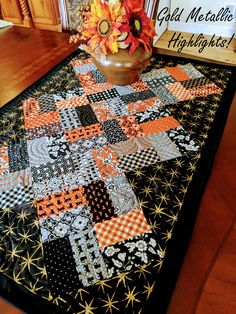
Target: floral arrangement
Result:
[113, 25]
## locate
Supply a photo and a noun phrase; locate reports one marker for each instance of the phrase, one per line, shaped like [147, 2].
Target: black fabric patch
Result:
[151, 114]
[86, 115]
[195, 82]
[99, 202]
[60, 265]
[58, 146]
[110, 93]
[137, 96]
[153, 83]
[113, 131]
[18, 156]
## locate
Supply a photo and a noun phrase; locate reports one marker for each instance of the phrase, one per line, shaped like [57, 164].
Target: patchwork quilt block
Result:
[75, 168]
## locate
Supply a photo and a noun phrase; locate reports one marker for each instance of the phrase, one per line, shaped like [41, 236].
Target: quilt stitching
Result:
[79, 158]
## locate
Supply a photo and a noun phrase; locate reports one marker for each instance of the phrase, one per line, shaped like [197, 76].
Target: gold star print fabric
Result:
[93, 178]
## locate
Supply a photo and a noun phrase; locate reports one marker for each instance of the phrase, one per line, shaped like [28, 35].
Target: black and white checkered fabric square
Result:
[137, 160]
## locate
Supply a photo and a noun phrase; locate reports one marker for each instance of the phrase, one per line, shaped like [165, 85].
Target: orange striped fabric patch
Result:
[160, 125]
[177, 73]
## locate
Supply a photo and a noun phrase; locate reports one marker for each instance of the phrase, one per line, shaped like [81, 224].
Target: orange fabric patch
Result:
[31, 107]
[143, 105]
[101, 111]
[178, 90]
[139, 86]
[160, 125]
[96, 88]
[106, 161]
[86, 79]
[42, 119]
[205, 90]
[130, 127]
[73, 102]
[14, 179]
[83, 132]
[121, 228]
[4, 161]
[60, 202]
[177, 73]
[79, 62]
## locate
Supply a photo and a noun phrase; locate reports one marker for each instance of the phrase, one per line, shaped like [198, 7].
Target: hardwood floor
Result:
[207, 280]
[26, 55]
[208, 274]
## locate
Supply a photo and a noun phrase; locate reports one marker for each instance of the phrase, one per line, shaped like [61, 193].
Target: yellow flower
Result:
[102, 26]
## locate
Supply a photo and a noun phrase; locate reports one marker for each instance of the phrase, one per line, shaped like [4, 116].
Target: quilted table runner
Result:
[97, 180]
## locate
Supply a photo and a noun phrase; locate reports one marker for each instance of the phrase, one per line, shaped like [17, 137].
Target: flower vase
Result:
[121, 68]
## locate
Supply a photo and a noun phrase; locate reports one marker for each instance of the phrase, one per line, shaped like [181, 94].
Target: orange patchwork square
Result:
[4, 161]
[60, 202]
[73, 102]
[139, 86]
[159, 125]
[96, 88]
[130, 126]
[177, 73]
[31, 107]
[178, 90]
[78, 62]
[205, 90]
[102, 111]
[143, 105]
[121, 228]
[106, 161]
[86, 79]
[83, 132]
[41, 119]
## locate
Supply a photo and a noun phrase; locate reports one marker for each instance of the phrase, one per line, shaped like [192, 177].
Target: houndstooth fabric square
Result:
[47, 103]
[121, 228]
[196, 82]
[137, 160]
[16, 196]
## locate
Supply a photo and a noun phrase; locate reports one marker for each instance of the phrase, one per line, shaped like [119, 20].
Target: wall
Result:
[218, 28]
[160, 29]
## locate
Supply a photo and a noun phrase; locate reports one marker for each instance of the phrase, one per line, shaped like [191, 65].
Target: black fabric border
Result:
[168, 275]
[160, 298]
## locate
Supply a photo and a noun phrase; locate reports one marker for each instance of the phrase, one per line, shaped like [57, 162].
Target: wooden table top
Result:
[26, 55]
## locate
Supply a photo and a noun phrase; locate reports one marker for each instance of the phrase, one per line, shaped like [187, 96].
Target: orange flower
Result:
[139, 27]
[102, 26]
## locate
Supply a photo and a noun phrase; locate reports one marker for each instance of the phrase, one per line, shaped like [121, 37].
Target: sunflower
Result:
[102, 26]
[139, 27]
